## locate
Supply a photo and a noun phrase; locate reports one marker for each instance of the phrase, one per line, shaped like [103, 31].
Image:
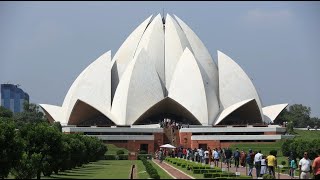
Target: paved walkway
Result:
[244, 172]
[172, 171]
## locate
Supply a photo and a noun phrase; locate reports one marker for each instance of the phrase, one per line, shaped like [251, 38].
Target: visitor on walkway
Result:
[216, 157]
[236, 156]
[160, 156]
[316, 166]
[206, 156]
[293, 166]
[272, 163]
[201, 155]
[305, 166]
[263, 166]
[228, 154]
[257, 163]
[249, 161]
[243, 156]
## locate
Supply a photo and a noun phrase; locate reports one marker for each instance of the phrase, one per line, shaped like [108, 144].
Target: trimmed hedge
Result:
[146, 156]
[110, 157]
[123, 157]
[153, 173]
[116, 157]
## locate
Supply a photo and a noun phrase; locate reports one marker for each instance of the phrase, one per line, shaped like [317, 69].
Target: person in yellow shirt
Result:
[272, 163]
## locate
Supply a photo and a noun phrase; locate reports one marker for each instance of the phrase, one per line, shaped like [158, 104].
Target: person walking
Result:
[305, 166]
[293, 166]
[257, 162]
[272, 163]
[316, 166]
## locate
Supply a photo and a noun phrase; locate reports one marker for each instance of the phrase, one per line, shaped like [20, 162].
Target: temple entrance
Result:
[167, 109]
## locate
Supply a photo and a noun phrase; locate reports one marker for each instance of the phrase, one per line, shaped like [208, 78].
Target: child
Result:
[263, 166]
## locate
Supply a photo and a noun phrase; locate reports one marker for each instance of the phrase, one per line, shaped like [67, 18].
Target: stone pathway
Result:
[243, 171]
[178, 174]
[172, 171]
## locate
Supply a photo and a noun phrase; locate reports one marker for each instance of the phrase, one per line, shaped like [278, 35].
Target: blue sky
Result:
[44, 46]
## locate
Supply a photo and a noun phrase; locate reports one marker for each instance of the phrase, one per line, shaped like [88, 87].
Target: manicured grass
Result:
[162, 174]
[141, 170]
[103, 169]
[306, 135]
[112, 149]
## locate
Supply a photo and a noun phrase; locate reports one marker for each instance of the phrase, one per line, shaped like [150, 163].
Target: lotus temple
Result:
[164, 71]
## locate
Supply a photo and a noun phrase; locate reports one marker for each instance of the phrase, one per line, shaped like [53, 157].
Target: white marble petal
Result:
[231, 109]
[153, 41]
[93, 86]
[208, 67]
[126, 53]
[54, 112]
[139, 90]
[272, 112]
[187, 87]
[234, 83]
[175, 43]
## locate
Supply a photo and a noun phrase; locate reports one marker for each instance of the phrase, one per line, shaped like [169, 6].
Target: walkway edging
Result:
[164, 169]
[180, 171]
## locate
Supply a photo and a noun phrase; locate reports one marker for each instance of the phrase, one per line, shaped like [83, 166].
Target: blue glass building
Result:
[13, 97]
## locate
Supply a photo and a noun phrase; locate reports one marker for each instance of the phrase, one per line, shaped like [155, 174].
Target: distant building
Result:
[13, 97]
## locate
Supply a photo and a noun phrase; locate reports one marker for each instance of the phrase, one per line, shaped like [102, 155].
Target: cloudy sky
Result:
[44, 46]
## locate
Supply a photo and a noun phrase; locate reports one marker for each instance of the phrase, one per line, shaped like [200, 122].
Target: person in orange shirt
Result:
[316, 166]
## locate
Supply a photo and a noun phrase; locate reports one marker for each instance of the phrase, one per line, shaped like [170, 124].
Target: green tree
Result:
[11, 147]
[289, 128]
[27, 166]
[45, 140]
[5, 112]
[31, 114]
[299, 115]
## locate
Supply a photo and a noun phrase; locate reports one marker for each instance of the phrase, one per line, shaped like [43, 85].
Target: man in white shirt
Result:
[305, 166]
[257, 163]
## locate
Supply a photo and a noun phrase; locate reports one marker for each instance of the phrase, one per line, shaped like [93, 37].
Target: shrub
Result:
[146, 156]
[153, 173]
[120, 152]
[274, 152]
[123, 157]
[110, 157]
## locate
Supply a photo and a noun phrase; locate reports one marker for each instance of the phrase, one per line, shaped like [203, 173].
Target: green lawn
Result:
[307, 135]
[112, 149]
[103, 169]
[162, 173]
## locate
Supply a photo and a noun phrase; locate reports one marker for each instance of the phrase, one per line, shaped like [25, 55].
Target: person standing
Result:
[216, 157]
[160, 155]
[236, 156]
[272, 163]
[316, 166]
[305, 166]
[242, 158]
[257, 163]
[206, 156]
[263, 166]
[228, 154]
[249, 161]
[293, 166]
